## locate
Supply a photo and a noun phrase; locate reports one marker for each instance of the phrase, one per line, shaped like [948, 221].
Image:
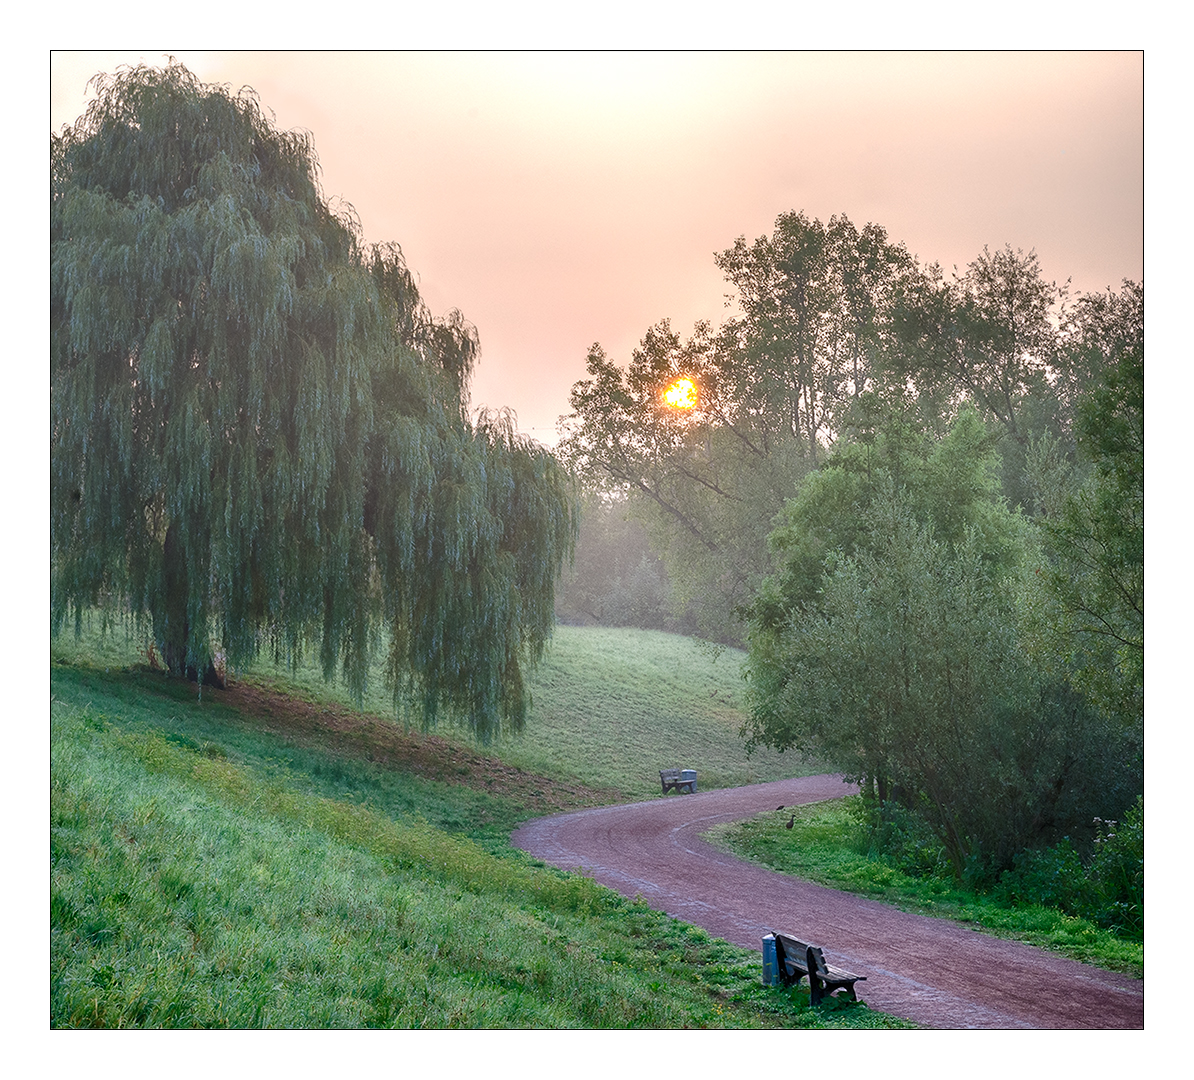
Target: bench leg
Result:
[828, 989]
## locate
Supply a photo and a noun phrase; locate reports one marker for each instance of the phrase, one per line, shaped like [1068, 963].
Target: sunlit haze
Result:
[560, 200]
[682, 394]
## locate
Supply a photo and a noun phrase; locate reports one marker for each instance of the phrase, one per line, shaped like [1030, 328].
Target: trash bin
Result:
[688, 774]
[770, 961]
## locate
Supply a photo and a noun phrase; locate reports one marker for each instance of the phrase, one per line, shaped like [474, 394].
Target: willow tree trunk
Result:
[172, 626]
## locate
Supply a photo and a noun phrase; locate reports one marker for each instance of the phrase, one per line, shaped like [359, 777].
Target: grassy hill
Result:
[616, 706]
[611, 707]
[267, 857]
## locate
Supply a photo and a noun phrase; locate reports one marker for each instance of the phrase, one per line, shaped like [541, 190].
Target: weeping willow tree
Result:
[259, 436]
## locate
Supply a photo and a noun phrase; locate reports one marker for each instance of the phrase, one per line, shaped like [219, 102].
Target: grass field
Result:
[255, 859]
[611, 707]
[616, 706]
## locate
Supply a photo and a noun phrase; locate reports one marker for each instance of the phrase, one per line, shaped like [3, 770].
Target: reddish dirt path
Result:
[932, 971]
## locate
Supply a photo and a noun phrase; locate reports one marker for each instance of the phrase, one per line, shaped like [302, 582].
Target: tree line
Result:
[917, 500]
[259, 435]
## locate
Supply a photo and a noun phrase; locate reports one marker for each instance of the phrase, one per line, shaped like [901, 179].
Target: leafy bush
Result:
[1117, 872]
[1105, 885]
[900, 838]
[1107, 888]
[1055, 877]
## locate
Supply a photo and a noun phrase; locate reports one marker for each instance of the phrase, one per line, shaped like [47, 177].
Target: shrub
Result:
[1055, 877]
[900, 838]
[1107, 887]
[1117, 872]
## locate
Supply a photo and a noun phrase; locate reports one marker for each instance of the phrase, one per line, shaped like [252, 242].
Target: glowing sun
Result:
[682, 394]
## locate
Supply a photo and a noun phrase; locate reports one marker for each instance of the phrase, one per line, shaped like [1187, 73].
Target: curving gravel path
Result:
[932, 971]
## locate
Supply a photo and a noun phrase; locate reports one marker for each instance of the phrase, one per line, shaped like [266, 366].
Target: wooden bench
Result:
[680, 779]
[797, 960]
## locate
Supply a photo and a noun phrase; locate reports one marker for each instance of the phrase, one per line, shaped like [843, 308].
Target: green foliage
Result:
[258, 434]
[818, 304]
[1107, 887]
[990, 337]
[1054, 876]
[1094, 526]
[895, 836]
[832, 843]
[1004, 344]
[950, 483]
[889, 643]
[1098, 330]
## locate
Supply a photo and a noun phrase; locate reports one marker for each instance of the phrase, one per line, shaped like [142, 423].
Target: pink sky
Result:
[563, 199]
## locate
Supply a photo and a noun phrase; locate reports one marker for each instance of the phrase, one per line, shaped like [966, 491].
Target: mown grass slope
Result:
[614, 706]
[237, 862]
[611, 707]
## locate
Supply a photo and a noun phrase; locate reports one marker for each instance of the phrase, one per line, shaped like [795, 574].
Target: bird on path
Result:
[779, 808]
[791, 822]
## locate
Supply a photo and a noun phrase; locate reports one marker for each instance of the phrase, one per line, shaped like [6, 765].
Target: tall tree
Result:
[1092, 513]
[890, 644]
[816, 306]
[992, 337]
[774, 383]
[258, 435]
[1099, 329]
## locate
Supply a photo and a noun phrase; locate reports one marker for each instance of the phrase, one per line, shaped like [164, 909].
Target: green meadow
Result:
[267, 857]
[610, 707]
[617, 705]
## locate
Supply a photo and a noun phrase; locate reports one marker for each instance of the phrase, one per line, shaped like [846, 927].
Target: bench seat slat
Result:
[832, 974]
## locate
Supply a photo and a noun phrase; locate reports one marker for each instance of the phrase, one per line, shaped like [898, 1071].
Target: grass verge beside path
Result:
[211, 870]
[825, 845]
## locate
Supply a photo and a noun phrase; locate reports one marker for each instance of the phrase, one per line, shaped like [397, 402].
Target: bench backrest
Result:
[788, 948]
[792, 947]
[669, 774]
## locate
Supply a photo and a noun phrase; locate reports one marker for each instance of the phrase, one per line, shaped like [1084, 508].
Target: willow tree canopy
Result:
[259, 437]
